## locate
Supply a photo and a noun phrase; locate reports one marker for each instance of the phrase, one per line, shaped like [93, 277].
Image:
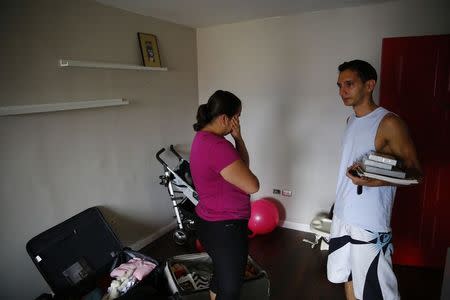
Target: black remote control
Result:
[359, 188]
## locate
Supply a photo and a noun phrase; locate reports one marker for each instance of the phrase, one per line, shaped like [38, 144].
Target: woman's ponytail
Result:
[203, 117]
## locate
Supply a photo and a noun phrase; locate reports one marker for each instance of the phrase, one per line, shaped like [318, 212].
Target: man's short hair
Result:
[364, 70]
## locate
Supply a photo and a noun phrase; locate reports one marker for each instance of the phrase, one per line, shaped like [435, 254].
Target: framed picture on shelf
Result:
[149, 50]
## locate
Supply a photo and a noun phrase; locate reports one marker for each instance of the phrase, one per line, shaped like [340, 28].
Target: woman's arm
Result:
[239, 141]
[239, 175]
[238, 172]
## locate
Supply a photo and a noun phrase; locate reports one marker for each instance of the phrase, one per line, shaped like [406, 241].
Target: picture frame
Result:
[149, 49]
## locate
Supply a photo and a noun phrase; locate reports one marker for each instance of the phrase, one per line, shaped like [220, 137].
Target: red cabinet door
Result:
[415, 84]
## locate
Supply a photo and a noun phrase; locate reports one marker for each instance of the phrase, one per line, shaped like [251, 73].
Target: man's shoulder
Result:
[391, 119]
[391, 125]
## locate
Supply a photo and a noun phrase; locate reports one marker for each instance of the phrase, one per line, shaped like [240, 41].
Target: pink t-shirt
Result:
[218, 199]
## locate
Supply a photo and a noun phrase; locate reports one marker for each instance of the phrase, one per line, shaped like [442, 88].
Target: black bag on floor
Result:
[188, 278]
[76, 257]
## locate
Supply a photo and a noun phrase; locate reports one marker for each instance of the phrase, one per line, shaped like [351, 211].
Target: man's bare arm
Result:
[398, 142]
[393, 138]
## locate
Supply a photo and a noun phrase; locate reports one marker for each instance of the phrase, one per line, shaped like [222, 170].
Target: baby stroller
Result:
[182, 193]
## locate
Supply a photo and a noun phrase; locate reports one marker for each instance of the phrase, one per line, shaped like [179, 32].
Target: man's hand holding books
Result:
[381, 167]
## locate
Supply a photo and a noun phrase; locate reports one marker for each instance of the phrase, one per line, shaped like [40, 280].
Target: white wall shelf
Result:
[39, 108]
[103, 65]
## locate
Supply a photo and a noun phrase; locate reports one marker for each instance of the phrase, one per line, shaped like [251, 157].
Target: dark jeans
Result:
[227, 244]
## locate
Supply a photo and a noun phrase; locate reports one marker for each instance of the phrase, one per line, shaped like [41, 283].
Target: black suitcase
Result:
[76, 256]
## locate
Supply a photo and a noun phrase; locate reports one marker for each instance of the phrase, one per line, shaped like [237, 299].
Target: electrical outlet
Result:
[276, 191]
[286, 193]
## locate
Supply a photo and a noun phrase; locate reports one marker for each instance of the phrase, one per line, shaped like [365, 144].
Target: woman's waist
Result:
[210, 212]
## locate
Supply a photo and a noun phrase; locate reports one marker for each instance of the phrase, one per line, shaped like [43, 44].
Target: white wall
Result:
[285, 70]
[54, 165]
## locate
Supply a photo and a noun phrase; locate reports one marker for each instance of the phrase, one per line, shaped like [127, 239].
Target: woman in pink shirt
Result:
[224, 182]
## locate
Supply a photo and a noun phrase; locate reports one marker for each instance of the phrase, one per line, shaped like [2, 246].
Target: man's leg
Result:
[372, 274]
[212, 295]
[349, 294]
[339, 265]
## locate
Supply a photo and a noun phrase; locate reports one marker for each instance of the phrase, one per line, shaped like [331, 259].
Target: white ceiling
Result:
[204, 13]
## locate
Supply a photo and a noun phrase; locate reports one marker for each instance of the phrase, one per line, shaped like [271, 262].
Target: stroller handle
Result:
[172, 149]
[159, 158]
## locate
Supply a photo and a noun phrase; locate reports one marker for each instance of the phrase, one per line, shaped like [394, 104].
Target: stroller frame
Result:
[182, 194]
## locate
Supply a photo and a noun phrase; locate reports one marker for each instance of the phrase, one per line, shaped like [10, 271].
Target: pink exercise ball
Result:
[264, 217]
[198, 246]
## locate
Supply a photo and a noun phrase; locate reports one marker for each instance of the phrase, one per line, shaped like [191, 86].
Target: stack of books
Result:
[384, 167]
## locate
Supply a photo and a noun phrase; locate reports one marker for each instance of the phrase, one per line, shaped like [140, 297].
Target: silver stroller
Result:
[182, 193]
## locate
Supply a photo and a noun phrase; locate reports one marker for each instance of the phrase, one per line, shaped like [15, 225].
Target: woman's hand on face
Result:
[235, 128]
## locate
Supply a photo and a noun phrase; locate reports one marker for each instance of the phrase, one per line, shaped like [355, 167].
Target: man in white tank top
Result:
[360, 245]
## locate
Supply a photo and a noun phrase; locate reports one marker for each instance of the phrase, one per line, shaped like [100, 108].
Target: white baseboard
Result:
[138, 245]
[295, 226]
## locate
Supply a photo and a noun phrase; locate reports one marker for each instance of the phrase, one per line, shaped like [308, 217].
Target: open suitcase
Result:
[76, 257]
[188, 278]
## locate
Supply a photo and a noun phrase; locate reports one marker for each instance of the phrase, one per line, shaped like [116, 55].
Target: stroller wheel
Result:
[180, 237]
[190, 224]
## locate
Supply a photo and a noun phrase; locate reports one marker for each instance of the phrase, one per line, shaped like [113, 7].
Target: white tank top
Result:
[372, 209]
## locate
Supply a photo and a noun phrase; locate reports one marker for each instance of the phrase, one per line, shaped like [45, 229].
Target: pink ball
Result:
[198, 246]
[264, 217]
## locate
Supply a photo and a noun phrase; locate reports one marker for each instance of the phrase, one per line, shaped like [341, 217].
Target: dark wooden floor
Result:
[298, 272]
